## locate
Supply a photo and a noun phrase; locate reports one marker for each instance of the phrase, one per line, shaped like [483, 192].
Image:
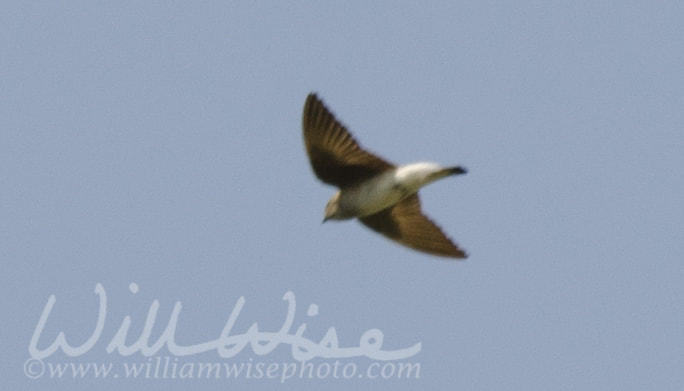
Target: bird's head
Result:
[332, 210]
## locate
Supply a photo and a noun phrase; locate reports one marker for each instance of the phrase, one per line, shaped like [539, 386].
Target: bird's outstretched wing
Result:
[335, 156]
[406, 224]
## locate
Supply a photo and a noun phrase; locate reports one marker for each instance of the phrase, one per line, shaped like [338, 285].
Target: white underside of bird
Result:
[386, 189]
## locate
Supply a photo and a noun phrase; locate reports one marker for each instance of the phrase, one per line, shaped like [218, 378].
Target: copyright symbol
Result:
[34, 368]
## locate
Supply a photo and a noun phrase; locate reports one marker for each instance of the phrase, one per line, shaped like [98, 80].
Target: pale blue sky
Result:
[160, 143]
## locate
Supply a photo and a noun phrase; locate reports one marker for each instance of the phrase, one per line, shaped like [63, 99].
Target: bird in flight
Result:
[383, 196]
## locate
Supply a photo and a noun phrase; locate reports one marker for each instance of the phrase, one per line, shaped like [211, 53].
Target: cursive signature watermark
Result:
[227, 344]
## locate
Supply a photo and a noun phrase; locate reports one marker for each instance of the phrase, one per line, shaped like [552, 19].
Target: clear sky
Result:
[155, 147]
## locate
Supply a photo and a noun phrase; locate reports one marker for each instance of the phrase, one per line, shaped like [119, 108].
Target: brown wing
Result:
[336, 158]
[406, 224]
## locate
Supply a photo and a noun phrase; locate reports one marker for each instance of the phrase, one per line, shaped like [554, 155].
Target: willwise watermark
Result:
[164, 368]
[163, 358]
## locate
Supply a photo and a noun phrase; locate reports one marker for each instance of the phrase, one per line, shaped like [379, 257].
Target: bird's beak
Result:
[324, 219]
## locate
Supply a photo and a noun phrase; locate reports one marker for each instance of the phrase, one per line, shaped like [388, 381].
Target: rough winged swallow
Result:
[381, 195]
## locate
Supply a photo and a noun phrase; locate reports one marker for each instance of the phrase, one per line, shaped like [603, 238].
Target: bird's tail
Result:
[456, 170]
[445, 172]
